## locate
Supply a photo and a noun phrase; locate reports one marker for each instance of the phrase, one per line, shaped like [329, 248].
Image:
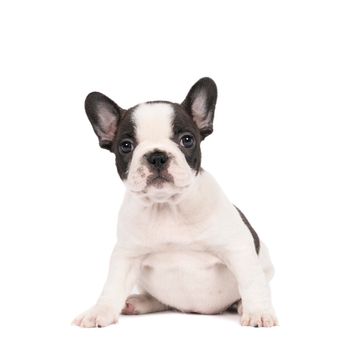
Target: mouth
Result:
[158, 180]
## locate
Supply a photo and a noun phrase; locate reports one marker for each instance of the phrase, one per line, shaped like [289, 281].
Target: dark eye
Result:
[126, 146]
[187, 141]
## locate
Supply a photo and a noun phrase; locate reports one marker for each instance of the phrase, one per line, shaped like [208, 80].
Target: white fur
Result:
[184, 244]
[153, 122]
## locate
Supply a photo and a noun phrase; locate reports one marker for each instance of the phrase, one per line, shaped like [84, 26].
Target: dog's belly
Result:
[189, 281]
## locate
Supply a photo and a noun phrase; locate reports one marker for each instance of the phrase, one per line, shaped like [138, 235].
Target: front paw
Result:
[97, 316]
[259, 319]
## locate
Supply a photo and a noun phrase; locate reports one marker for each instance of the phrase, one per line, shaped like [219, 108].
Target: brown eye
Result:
[187, 141]
[126, 146]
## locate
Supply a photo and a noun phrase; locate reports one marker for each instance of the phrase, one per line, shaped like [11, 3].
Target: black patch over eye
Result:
[126, 146]
[187, 141]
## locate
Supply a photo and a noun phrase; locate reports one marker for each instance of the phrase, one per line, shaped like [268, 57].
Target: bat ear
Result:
[104, 115]
[200, 104]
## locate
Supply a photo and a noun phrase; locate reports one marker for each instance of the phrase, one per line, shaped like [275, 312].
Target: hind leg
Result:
[137, 304]
[236, 307]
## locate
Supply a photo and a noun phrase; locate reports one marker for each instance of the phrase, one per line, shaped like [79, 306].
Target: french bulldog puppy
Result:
[180, 240]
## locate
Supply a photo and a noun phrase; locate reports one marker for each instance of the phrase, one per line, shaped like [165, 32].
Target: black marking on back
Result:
[252, 231]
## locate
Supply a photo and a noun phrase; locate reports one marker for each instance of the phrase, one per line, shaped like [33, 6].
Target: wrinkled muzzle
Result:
[158, 171]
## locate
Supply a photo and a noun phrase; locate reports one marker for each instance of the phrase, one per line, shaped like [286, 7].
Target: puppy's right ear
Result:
[104, 115]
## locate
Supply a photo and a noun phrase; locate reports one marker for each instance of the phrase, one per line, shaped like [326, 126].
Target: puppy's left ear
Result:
[200, 104]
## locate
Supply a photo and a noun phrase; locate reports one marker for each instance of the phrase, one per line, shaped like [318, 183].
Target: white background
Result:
[280, 150]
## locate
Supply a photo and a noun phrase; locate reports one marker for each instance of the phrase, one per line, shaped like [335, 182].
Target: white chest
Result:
[155, 229]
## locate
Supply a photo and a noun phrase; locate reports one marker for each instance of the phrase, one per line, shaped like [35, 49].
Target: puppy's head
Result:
[156, 144]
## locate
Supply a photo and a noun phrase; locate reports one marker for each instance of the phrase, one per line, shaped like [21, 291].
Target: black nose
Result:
[157, 159]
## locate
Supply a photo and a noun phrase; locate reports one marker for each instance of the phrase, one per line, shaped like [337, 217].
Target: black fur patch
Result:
[183, 123]
[125, 130]
[252, 231]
